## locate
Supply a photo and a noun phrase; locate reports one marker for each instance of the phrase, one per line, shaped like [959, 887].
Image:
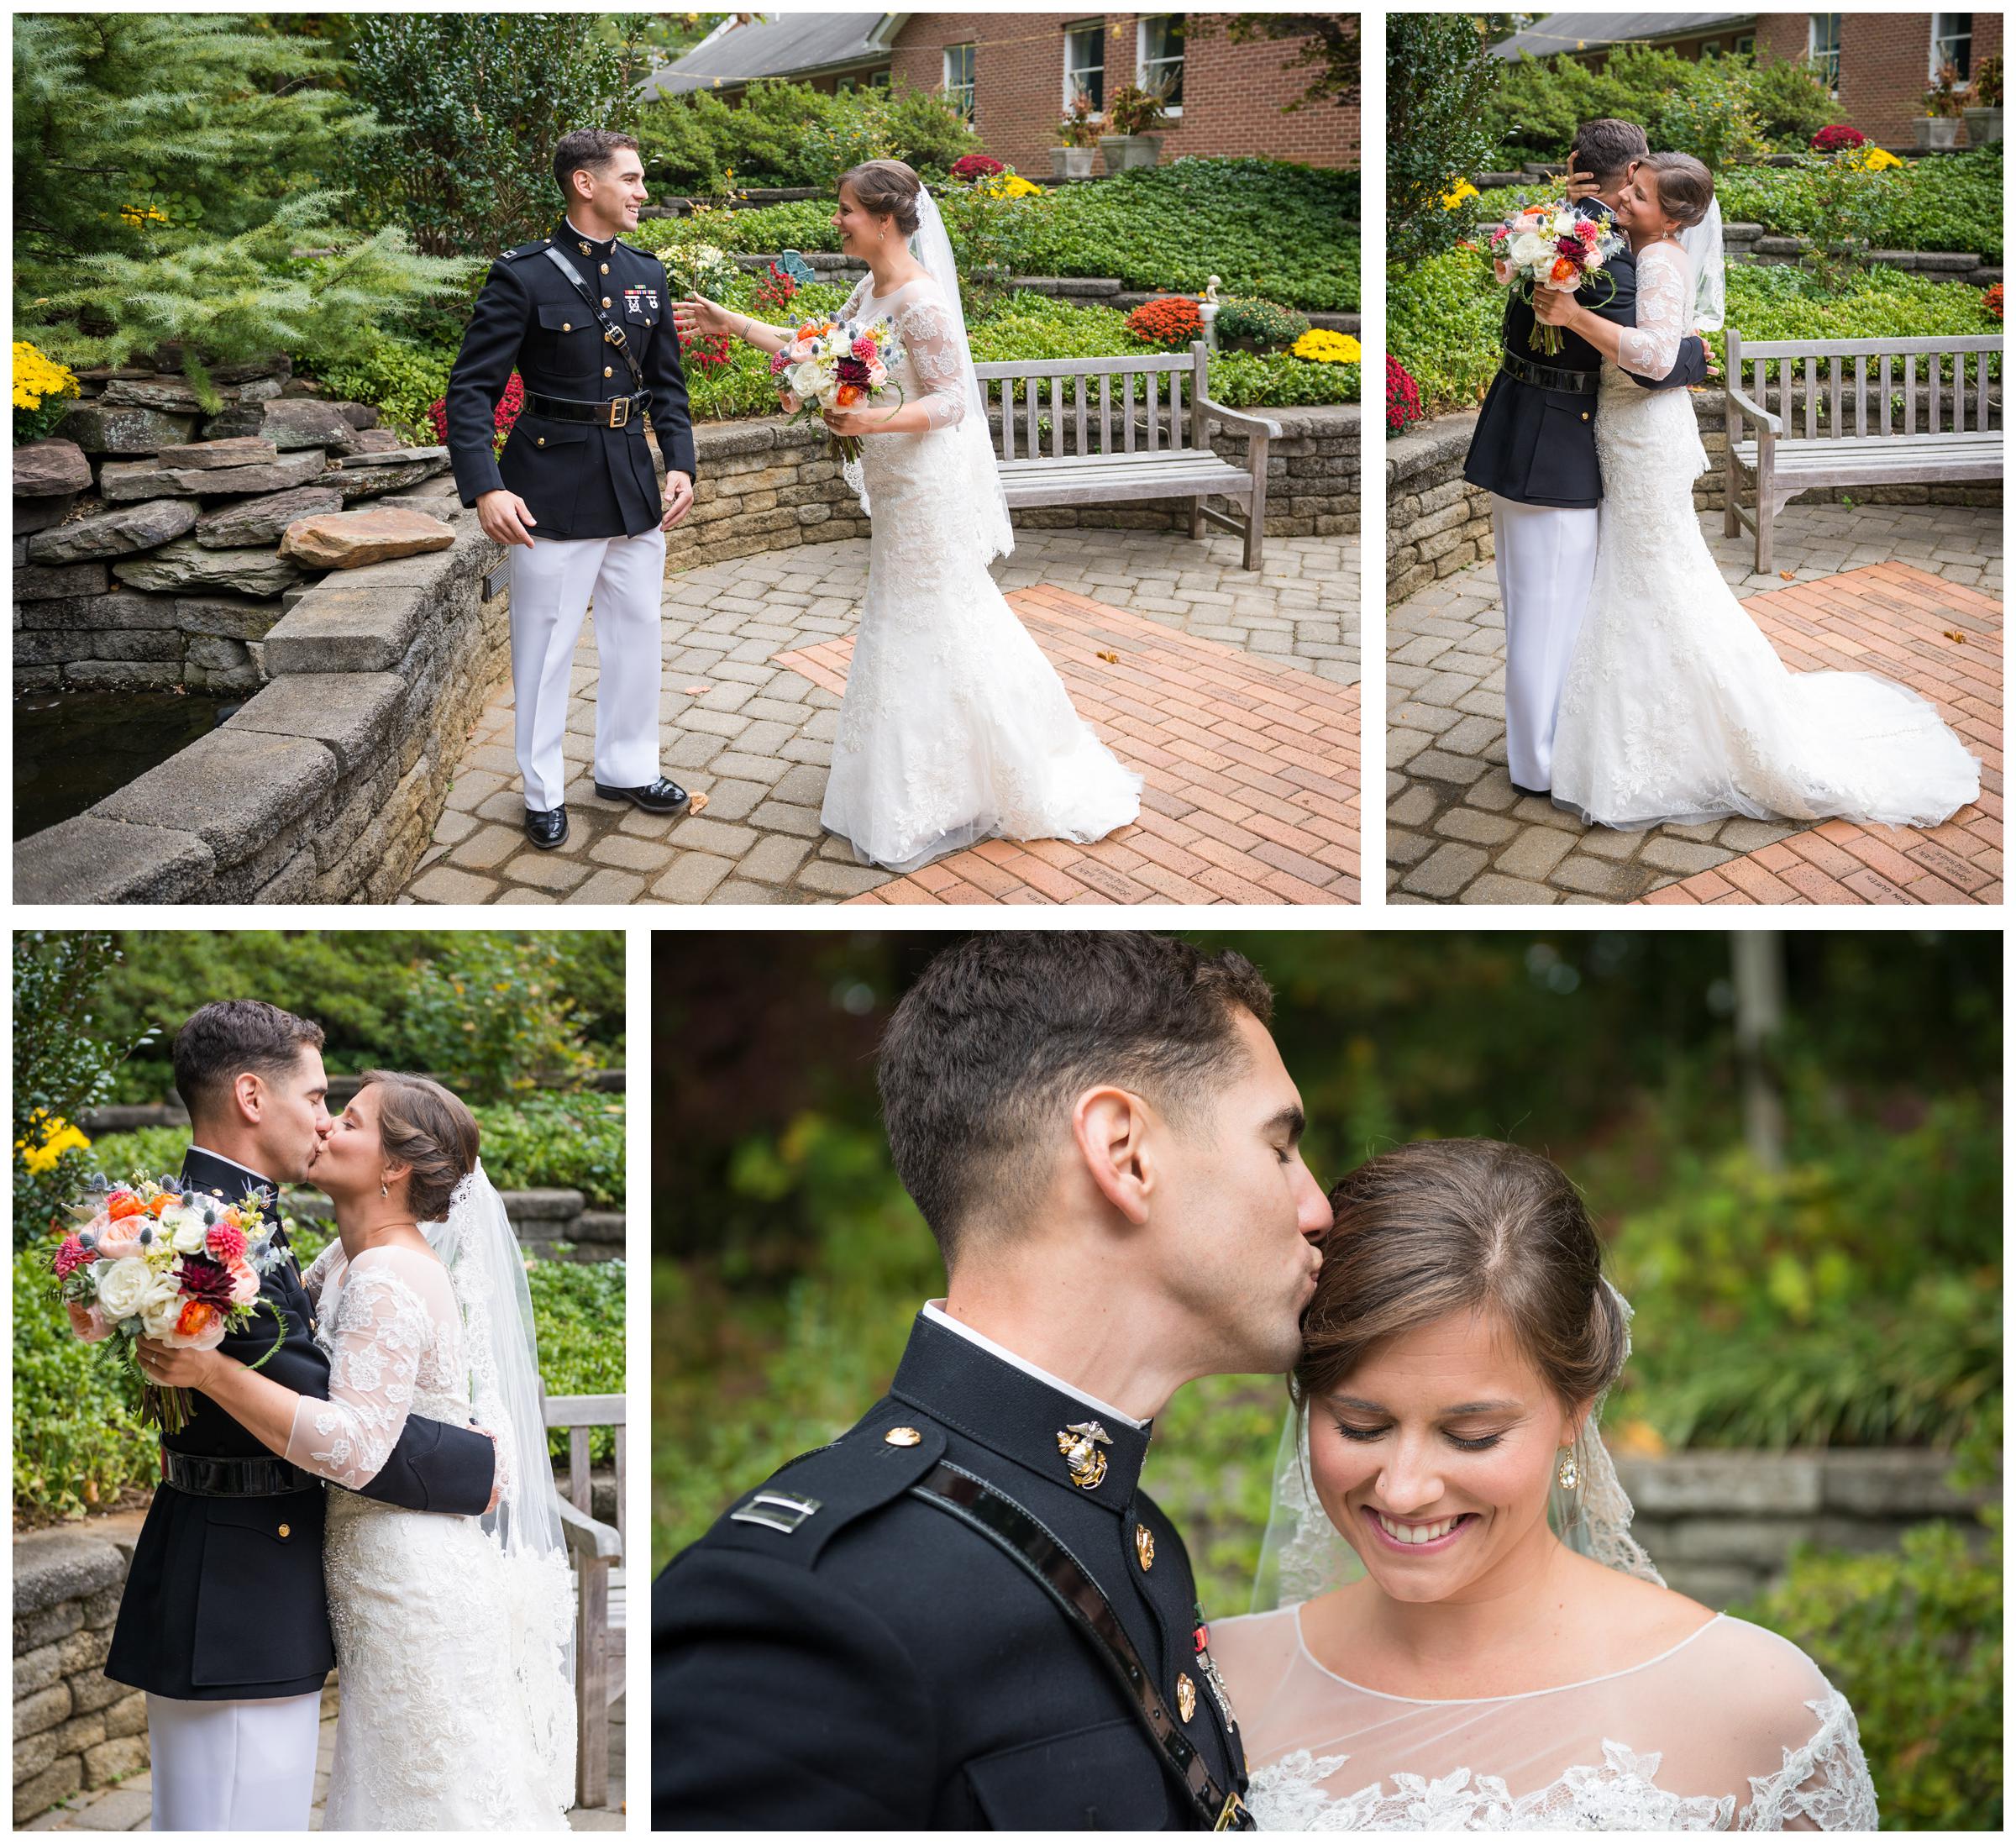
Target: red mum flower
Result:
[73, 1256]
[1403, 396]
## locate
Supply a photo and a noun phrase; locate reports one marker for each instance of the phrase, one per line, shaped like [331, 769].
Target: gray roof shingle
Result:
[798, 42]
[1573, 31]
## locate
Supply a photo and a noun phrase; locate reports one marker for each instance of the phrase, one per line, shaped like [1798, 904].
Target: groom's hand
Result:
[679, 499]
[504, 516]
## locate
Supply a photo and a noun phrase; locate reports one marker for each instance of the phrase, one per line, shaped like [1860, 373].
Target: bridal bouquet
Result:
[1549, 246]
[179, 1267]
[837, 364]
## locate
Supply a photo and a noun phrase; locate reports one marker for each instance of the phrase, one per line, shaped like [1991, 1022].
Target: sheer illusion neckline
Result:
[1516, 1696]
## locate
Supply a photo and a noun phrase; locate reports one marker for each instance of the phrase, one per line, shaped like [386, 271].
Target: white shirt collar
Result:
[257, 1178]
[583, 235]
[934, 1310]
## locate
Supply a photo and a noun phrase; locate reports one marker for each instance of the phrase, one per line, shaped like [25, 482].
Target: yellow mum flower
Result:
[58, 1136]
[1458, 192]
[1010, 186]
[38, 377]
[1877, 160]
[1324, 347]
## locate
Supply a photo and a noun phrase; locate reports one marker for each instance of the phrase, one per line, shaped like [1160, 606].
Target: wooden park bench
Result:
[1143, 460]
[597, 1552]
[1837, 448]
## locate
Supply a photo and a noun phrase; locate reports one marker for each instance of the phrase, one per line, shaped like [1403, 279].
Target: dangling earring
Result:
[1565, 1474]
[384, 1189]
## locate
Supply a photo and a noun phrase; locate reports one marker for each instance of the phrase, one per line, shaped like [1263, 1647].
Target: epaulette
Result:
[532, 249]
[796, 1512]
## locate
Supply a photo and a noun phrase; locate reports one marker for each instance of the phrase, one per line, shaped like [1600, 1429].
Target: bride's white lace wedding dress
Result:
[1675, 709]
[456, 1711]
[1733, 1728]
[955, 728]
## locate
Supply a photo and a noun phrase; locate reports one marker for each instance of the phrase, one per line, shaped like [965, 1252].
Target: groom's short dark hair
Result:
[1005, 1029]
[591, 147]
[219, 1042]
[1607, 146]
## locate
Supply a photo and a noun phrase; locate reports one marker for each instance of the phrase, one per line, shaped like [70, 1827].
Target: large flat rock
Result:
[340, 540]
[288, 422]
[93, 859]
[264, 519]
[185, 566]
[100, 429]
[38, 515]
[140, 479]
[390, 470]
[225, 617]
[116, 533]
[49, 467]
[235, 790]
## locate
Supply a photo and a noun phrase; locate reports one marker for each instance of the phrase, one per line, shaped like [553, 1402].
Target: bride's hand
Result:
[852, 421]
[171, 1367]
[696, 316]
[1553, 307]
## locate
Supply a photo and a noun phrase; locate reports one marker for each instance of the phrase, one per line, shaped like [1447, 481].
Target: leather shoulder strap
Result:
[610, 332]
[1021, 1536]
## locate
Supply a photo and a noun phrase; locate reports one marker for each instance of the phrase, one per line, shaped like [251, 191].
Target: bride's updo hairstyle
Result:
[1461, 1226]
[427, 1129]
[1685, 187]
[887, 189]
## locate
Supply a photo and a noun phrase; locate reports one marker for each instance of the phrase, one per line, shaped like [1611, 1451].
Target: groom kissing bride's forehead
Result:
[965, 1612]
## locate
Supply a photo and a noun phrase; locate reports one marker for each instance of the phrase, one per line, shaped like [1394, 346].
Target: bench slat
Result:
[1800, 349]
[1112, 367]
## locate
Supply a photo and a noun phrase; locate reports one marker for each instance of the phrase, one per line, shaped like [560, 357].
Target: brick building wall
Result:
[1233, 94]
[1886, 62]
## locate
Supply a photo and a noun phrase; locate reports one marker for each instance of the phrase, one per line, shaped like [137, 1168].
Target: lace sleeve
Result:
[382, 1329]
[1649, 348]
[317, 1271]
[930, 337]
[1824, 1783]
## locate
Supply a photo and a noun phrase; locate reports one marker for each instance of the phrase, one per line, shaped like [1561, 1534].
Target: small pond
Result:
[71, 748]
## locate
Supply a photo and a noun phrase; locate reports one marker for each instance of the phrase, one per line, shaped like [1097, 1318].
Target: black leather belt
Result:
[1548, 377]
[613, 414]
[204, 1476]
[1063, 1577]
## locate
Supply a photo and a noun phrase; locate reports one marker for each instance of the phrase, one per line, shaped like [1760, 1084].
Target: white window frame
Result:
[1175, 111]
[1073, 78]
[1745, 45]
[1827, 57]
[1710, 48]
[1963, 40]
[958, 91]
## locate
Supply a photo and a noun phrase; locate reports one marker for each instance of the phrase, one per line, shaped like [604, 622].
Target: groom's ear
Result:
[1109, 1127]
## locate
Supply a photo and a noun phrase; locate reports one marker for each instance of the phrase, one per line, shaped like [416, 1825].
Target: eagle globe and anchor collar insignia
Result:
[1079, 1444]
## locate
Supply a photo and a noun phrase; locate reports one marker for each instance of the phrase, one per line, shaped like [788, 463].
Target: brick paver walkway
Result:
[750, 729]
[1874, 587]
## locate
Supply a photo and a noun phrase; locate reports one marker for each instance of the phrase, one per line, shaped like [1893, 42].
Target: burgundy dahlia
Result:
[1568, 246]
[852, 371]
[204, 1279]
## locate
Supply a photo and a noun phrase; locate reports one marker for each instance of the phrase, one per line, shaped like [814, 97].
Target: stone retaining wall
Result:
[540, 1219]
[1722, 1526]
[74, 1728]
[766, 485]
[1437, 524]
[325, 787]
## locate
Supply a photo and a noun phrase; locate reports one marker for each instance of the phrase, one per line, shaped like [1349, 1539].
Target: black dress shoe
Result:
[1532, 793]
[546, 830]
[661, 797]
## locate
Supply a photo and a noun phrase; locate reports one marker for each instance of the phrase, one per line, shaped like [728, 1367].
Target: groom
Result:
[965, 1612]
[586, 320]
[223, 1622]
[1534, 449]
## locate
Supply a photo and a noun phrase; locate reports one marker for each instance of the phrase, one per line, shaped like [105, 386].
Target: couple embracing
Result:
[1638, 692]
[954, 728]
[369, 1489]
[965, 1612]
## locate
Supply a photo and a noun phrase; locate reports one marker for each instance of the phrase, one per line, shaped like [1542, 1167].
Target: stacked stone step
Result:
[148, 530]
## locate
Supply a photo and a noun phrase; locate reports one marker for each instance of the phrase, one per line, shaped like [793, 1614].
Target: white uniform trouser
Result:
[551, 585]
[1546, 560]
[233, 1767]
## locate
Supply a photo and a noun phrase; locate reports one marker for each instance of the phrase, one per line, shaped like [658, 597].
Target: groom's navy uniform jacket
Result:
[582, 479]
[1535, 437]
[224, 1599]
[883, 1664]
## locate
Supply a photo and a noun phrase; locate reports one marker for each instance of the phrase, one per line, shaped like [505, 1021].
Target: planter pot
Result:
[1937, 131]
[1071, 162]
[1126, 150]
[1983, 126]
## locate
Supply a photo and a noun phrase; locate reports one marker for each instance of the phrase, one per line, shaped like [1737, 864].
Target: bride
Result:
[954, 728]
[1675, 709]
[453, 1635]
[1461, 1632]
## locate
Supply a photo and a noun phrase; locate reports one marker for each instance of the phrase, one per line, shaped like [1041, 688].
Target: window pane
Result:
[1162, 56]
[1085, 63]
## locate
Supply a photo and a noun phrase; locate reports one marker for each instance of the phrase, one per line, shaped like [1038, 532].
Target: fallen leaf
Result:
[1787, 575]
[1111, 659]
[695, 691]
[1956, 636]
[697, 805]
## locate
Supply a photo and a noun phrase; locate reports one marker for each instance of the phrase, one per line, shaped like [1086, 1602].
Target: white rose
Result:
[1527, 248]
[159, 1315]
[186, 1230]
[125, 1287]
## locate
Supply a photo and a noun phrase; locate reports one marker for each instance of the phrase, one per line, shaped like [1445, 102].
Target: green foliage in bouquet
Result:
[1913, 1639]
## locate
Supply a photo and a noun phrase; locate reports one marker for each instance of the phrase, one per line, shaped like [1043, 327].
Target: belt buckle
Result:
[619, 412]
[1228, 1820]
